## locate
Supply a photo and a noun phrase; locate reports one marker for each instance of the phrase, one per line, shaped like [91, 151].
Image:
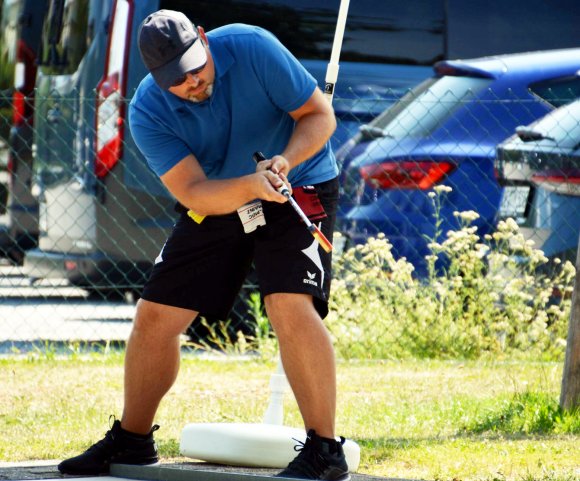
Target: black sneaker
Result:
[319, 458]
[118, 446]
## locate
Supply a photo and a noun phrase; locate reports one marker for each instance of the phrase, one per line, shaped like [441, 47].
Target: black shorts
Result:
[202, 266]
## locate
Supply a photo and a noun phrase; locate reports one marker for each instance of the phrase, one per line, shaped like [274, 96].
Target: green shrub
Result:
[528, 412]
[494, 298]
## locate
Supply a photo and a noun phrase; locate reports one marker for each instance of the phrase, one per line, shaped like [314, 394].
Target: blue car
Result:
[539, 167]
[445, 132]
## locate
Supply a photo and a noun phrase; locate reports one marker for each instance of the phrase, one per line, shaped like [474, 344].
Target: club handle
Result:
[315, 231]
[258, 157]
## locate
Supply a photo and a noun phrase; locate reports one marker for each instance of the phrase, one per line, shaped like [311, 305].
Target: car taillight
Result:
[18, 108]
[110, 115]
[24, 76]
[405, 175]
[109, 126]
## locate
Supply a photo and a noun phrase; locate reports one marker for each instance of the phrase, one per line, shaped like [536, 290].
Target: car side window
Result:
[558, 92]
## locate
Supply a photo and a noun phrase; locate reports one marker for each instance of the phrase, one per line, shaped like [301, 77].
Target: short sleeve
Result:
[288, 84]
[162, 148]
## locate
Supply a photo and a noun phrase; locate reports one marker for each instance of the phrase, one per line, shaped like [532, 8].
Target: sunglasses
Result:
[179, 80]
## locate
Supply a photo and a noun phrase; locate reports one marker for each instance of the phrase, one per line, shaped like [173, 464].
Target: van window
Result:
[390, 32]
[64, 39]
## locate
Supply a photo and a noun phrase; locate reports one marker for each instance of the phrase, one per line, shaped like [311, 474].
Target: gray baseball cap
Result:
[170, 46]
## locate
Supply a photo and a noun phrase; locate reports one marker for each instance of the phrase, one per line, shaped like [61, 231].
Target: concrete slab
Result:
[179, 471]
[84, 478]
[47, 471]
[186, 473]
[203, 471]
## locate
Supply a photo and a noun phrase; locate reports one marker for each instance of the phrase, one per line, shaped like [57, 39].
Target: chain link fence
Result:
[82, 218]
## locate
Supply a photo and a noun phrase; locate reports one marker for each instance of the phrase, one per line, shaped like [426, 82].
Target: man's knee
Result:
[287, 301]
[289, 311]
[161, 320]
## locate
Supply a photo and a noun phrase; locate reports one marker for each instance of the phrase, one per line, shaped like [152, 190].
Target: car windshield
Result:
[561, 125]
[427, 106]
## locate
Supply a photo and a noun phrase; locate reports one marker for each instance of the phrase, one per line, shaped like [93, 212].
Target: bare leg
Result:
[151, 361]
[308, 358]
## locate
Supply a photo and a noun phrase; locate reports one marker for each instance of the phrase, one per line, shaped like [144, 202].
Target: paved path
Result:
[52, 311]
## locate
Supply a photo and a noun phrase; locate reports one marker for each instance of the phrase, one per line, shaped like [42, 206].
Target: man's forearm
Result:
[310, 134]
[217, 197]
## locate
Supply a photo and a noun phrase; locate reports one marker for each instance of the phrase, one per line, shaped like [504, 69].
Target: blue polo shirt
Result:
[257, 82]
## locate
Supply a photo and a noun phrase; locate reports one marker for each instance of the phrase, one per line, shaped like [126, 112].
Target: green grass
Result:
[413, 419]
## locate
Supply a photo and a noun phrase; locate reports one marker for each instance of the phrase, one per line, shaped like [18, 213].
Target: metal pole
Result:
[332, 69]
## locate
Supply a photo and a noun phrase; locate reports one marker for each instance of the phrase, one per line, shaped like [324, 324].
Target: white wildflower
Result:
[481, 251]
[468, 215]
[442, 189]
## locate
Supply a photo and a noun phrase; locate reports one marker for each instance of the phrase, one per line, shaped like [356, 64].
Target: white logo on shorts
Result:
[310, 279]
[313, 254]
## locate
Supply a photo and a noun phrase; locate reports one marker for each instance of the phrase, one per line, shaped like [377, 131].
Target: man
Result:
[209, 103]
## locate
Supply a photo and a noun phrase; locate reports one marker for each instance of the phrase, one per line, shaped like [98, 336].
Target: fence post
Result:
[570, 395]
